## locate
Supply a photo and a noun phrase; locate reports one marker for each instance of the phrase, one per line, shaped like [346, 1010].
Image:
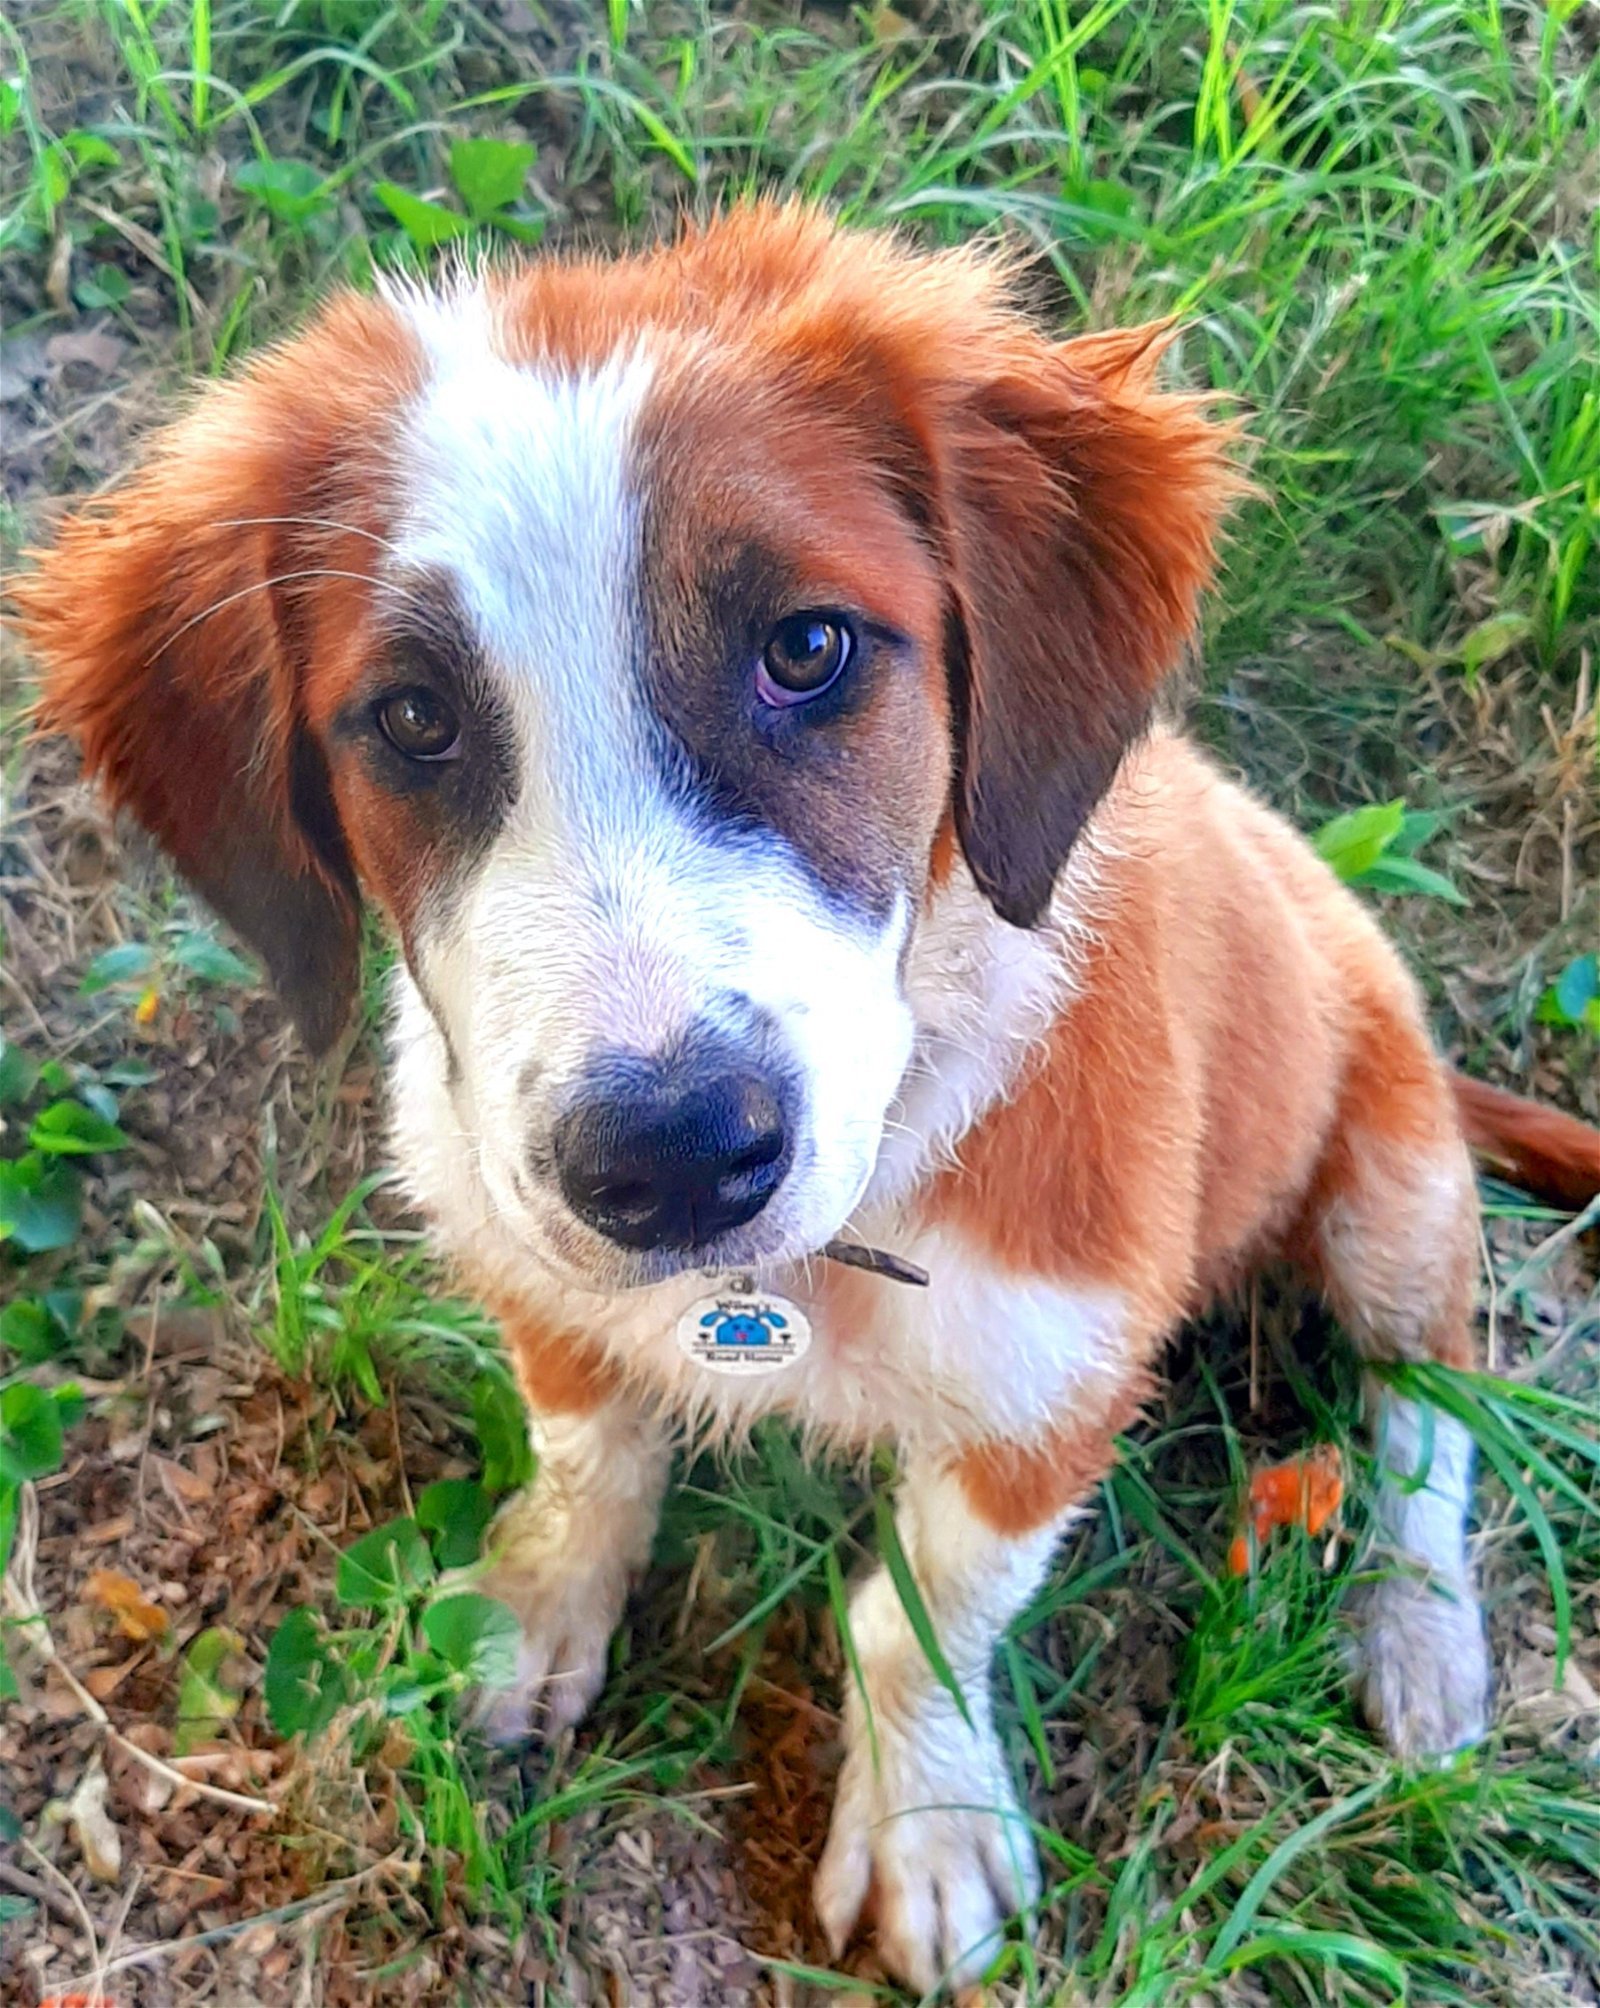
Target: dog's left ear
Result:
[1081, 506]
[174, 622]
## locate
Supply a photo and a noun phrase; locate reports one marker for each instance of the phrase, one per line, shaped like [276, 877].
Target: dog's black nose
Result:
[672, 1153]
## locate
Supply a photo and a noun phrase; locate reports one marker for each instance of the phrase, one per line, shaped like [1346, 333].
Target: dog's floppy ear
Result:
[1082, 505]
[170, 623]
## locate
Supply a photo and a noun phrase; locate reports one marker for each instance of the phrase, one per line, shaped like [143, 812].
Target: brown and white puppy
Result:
[730, 668]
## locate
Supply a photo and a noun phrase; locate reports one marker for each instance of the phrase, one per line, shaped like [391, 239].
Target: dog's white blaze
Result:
[518, 489]
[607, 913]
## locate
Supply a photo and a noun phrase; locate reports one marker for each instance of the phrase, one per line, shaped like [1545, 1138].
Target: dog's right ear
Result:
[173, 623]
[1083, 504]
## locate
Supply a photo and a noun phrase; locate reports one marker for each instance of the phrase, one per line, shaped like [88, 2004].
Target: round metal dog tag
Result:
[742, 1331]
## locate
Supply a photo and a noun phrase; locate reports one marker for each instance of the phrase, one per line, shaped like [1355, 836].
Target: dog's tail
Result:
[1547, 1153]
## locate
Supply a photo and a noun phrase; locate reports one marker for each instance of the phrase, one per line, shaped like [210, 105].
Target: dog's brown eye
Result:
[804, 655]
[421, 725]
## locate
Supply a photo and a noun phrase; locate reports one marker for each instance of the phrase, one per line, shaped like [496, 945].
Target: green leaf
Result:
[41, 1202]
[426, 223]
[128, 962]
[1304, 1834]
[302, 1682]
[1418, 827]
[28, 1330]
[205, 957]
[911, 1602]
[501, 1423]
[88, 149]
[478, 1636]
[128, 1074]
[105, 286]
[207, 1695]
[455, 1511]
[1106, 209]
[19, 1075]
[414, 1684]
[70, 1129]
[1491, 639]
[55, 174]
[1574, 998]
[1354, 843]
[30, 1433]
[94, 1095]
[1400, 874]
[290, 190]
[1315, 1948]
[389, 1566]
[489, 173]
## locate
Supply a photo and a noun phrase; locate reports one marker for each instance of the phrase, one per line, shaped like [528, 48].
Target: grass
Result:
[1378, 225]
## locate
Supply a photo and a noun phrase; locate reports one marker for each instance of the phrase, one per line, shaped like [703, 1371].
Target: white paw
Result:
[1423, 1668]
[568, 1593]
[934, 1833]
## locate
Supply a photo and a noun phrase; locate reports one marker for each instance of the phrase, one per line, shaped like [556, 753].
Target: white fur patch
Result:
[1424, 1673]
[983, 995]
[1425, 1493]
[1390, 1281]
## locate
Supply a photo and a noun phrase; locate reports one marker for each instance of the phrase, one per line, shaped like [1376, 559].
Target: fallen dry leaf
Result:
[107, 1531]
[98, 1840]
[103, 1681]
[183, 1485]
[137, 1618]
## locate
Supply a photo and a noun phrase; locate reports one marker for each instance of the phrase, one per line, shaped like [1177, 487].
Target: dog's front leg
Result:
[564, 1550]
[926, 1816]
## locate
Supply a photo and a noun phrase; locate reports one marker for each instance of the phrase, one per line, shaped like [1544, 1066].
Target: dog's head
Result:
[643, 637]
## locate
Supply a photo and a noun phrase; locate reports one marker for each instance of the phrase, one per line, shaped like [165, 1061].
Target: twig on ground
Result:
[20, 1883]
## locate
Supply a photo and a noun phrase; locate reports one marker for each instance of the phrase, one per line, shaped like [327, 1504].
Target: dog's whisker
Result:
[309, 523]
[283, 579]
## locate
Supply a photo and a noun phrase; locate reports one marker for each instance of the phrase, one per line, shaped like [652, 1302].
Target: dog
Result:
[731, 669]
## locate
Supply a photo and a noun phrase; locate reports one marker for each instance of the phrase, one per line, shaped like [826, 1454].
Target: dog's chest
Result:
[855, 1358]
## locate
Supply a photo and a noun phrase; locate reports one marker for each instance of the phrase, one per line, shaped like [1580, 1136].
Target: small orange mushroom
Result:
[1301, 1492]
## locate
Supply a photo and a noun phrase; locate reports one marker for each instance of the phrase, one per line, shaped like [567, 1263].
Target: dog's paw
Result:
[568, 1594]
[934, 1833]
[1423, 1666]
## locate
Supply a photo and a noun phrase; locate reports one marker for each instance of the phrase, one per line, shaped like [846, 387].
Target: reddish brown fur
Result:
[1016, 1487]
[559, 1372]
[1245, 1072]
[1540, 1149]
[178, 633]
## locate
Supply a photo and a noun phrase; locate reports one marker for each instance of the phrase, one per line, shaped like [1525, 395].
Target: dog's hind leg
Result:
[1392, 1239]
